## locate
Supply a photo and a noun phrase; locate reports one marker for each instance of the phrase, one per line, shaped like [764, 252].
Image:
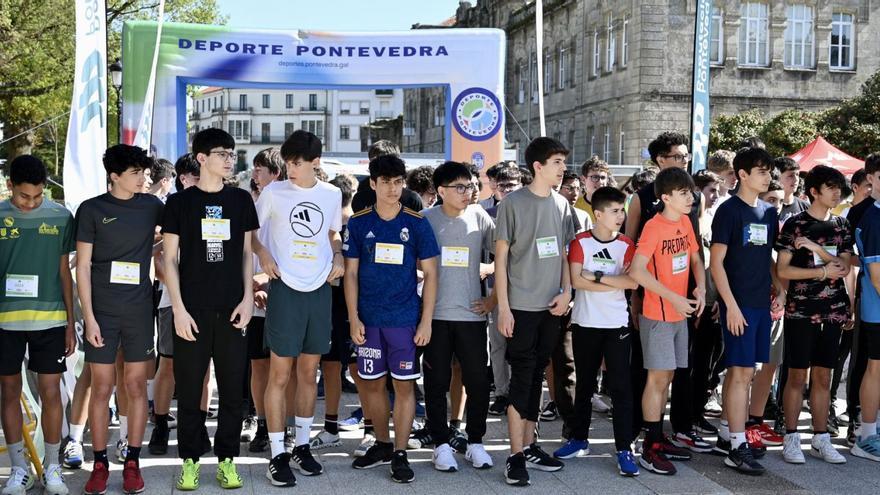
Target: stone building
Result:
[618, 72]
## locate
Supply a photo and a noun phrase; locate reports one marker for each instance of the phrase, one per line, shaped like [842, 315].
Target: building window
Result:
[572, 55]
[221, 102]
[624, 34]
[560, 83]
[266, 132]
[288, 129]
[265, 101]
[841, 50]
[240, 129]
[799, 37]
[548, 71]
[533, 75]
[521, 89]
[596, 51]
[621, 159]
[610, 44]
[716, 37]
[591, 136]
[242, 102]
[344, 132]
[344, 107]
[754, 48]
[365, 108]
[606, 143]
[319, 129]
[288, 101]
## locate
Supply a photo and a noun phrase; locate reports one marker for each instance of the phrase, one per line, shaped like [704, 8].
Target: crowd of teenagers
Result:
[742, 277]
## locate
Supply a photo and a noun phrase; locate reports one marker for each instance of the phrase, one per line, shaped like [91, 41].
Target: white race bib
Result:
[389, 254]
[455, 256]
[602, 265]
[215, 229]
[125, 273]
[758, 234]
[548, 247]
[679, 263]
[818, 261]
[305, 250]
[22, 285]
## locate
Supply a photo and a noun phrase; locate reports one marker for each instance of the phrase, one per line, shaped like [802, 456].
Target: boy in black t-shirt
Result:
[209, 269]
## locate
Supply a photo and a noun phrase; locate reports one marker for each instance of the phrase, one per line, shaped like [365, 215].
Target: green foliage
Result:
[789, 131]
[854, 125]
[727, 131]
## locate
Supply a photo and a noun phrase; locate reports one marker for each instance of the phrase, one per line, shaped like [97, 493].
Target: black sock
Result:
[819, 432]
[368, 427]
[755, 420]
[455, 423]
[331, 423]
[654, 432]
[101, 456]
[134, 454]
[162, 421]
[262, 429]
[789, 432]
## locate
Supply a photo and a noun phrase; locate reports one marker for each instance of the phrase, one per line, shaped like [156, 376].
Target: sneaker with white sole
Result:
[536, 458]
[121, 449]
[867, 448]
[599, 405]
[324, 440]
[72, 455]
[53, 480]
[822, 448]
[19, 482]
[443, 459]
[368, 441]
[791, 448]
[478, 457]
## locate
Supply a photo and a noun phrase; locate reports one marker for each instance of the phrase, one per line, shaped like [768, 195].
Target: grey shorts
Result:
[165, 339]
[298, 322]
[132, 332]
[664, 344]
[777, 343]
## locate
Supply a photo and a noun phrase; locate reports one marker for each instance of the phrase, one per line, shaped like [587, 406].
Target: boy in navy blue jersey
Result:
[382, 246]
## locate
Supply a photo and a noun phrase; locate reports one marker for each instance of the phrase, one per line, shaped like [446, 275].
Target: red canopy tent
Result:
[821, 152]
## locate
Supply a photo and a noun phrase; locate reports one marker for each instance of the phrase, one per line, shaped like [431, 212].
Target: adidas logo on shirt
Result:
[602, 255]
[370, 235]
[303, 215]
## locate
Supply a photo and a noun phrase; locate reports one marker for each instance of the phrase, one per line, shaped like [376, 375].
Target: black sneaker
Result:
[380, 453]
[832, 426]
[722, 447]
[458, 441]
[536, 458]
[550, 412]
[420, 439]
[742, 459]
[400, 470]
[704, 427]
[516, 473]
[851, 432]
[499, 407]
[261, 438]
[159, 440]
[305, 462]
[279, 472]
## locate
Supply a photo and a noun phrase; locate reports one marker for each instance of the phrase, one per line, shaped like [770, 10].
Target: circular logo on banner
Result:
[476, 114]
[306, 219]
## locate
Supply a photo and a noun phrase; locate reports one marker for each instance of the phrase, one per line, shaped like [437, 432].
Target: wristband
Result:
[824, 273]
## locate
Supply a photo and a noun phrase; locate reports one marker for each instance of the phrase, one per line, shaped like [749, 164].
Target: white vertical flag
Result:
[145, 122]
[84, 175]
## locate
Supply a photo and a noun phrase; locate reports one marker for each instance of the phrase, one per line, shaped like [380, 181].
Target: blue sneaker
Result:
[626, 463]
[867, 448]
[353, 422]
[420, 410]
[572, 448]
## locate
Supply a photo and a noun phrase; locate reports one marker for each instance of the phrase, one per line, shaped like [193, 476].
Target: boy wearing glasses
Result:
[570, 189]
[594, 174]
[463, 231]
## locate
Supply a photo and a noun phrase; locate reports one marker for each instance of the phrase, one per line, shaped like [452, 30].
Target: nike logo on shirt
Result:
[108, 220]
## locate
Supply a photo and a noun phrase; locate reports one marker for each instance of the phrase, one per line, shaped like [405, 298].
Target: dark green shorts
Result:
[298, 322]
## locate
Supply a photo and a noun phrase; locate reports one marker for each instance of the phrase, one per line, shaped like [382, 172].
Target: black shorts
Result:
[256, 345]
[132, 332]
[340, 334]
[810, 344]
[45, 349]
[872, 338]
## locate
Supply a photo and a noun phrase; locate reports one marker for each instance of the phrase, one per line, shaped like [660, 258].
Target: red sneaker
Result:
[97, 484]
[653, 460]
[767, 434]
[755, 443]
[671, 451]
[132, 482]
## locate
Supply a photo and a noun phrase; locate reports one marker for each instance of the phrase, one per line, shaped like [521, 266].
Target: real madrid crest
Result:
[345, 236]
[404, 234]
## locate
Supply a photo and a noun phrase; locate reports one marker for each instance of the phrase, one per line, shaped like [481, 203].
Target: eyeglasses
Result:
[598, 178]
[506, 186]
[226, 155]
[678, 158]
[462, 188]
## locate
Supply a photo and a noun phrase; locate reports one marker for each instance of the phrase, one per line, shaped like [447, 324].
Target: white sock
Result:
[76, 432]
[868, 429]
[123, 427]
[51, 450]
[16, 454]
[149, 390]
[303, 429]
[737, 439]
[724, 430]
[276, 441]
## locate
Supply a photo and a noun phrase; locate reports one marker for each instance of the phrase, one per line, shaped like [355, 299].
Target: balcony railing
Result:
[313, 109]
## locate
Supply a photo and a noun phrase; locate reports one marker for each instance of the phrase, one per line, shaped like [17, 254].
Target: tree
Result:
[789, 131]
[727, 131]
[854, 125]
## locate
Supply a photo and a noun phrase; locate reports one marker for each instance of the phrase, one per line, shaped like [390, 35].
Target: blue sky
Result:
[336, 15]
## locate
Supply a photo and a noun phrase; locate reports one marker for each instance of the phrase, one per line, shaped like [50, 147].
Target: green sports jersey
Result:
[31, 246]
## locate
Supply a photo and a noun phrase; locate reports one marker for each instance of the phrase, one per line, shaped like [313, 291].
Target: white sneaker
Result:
[599, 405]
[248, 428]
[121, 449]
[53, 480]
[791, 448]
[443, 459]
[478, 456]
[19, 482]
[368, 441]
[824, 449]
[324, 440]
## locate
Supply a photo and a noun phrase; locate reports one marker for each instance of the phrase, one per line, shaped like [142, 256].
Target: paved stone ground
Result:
[596, 473]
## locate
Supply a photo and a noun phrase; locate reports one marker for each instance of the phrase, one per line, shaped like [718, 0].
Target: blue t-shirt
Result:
[749, 234]
[388, 253]
[868, 241]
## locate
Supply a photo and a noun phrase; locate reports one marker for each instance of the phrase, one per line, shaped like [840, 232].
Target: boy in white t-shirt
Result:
[599, 259]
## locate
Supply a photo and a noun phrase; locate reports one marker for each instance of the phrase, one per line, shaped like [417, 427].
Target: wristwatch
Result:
[598, 274]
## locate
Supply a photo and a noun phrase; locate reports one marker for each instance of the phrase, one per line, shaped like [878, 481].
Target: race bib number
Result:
[602, 265]
[548, 247]
[22, 285]
[758, 234]
[818, 261]
[455, 256]
[389, 254]
[125, 273]
[679, 263]
[305, 250]
[215, 229]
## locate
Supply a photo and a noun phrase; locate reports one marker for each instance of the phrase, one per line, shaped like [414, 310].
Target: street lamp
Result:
[116, 80]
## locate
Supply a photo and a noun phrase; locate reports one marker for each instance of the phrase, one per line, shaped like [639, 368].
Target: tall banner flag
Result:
[84, 176]
[145, 122]
[700, 93]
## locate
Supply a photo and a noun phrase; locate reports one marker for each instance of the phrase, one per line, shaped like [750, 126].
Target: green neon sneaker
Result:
[227, 475]
[189, 476]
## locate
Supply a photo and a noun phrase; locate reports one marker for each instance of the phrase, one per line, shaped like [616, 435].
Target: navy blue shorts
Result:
[753, 346]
